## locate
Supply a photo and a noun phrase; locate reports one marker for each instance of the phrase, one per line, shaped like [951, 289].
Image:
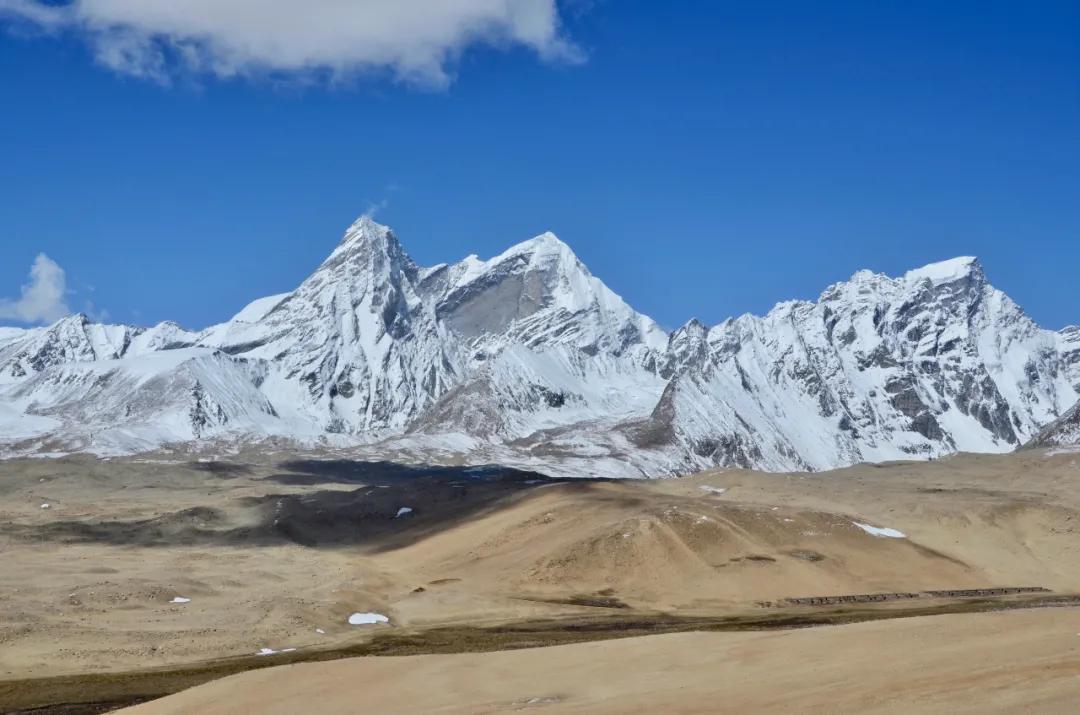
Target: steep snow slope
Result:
[74, 339]
[371, 344]
[527, 358]
[256, 310]
[878, 368]
[355, 348]
[1069, 347]
[544, 343]
[141, 402]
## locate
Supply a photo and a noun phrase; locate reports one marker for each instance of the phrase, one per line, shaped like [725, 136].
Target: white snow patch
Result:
[180, 599]
[943, 272]
[46, 505]
[881, 531]
[712, 490]
[367, 619]
[16, 425]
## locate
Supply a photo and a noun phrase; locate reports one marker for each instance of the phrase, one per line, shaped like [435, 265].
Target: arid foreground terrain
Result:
[124, 580]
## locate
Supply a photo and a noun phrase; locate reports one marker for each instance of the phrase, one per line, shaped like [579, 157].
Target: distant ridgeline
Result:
[527, 359]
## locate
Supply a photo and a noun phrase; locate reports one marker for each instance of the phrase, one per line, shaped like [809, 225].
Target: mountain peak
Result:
[73, 319]
[548, 239]
[366, 247]
[546, 245]
[949, 271]
[365, 230]
[529, 348]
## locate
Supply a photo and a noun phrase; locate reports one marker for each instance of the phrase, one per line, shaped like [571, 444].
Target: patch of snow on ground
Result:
[180, 599]
[16, 426]
[712, 490]
[46, 505]
[537, 701]
[884, 531]
[367, 619]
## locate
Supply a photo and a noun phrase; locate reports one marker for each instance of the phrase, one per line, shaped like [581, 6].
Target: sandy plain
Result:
[276, 551]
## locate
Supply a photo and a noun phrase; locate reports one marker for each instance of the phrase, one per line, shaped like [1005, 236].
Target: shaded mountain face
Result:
[528, 358]
[1062, 432]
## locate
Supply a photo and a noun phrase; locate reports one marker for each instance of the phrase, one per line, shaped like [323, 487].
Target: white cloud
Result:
[42, 299]
[98, 315]
[414, 40]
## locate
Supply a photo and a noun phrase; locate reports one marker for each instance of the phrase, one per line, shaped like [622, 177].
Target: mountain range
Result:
[528, 359]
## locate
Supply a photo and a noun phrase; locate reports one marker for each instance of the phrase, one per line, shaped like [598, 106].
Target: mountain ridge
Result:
[528, 358]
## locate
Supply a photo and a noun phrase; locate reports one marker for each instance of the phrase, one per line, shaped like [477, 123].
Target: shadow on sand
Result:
[392, 506]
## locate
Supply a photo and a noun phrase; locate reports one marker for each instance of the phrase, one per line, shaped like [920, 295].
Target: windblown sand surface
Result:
[1016, 662]
[277, 553]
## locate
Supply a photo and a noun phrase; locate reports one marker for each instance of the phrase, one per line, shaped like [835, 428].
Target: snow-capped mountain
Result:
[528, 358]
[878, 368]
[543, 344]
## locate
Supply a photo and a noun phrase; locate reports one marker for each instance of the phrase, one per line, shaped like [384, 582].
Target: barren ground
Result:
[270, 550]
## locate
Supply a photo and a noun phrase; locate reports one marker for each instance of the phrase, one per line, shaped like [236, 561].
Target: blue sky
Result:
[703, 158]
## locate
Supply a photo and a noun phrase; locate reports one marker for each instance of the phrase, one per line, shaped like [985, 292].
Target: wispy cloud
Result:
[43, 298]
[414, 40]
[376, 207]
[98, 315]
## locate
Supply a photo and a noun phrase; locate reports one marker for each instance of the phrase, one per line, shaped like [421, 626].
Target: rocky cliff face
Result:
[355, 349]
[878, 368]
[1062, 432]
[527, 357]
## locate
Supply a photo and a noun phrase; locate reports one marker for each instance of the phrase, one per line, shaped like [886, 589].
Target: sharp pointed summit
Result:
[367, 235]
